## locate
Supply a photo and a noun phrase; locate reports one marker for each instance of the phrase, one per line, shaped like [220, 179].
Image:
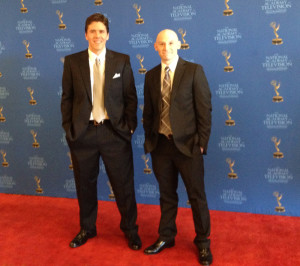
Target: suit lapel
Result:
[177, 77]
[109, 69]
[157, 87]
[85, 71]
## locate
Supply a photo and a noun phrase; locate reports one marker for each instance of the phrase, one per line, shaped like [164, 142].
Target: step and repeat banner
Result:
[250, 51]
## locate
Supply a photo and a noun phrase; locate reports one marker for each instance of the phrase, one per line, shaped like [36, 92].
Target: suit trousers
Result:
[168, 162]
[103, 141]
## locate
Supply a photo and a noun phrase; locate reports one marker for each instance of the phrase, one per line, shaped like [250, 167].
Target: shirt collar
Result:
[172, 66]
[93, 56]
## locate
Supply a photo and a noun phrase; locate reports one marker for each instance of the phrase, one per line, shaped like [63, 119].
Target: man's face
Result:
[97, 36]
[167, 45]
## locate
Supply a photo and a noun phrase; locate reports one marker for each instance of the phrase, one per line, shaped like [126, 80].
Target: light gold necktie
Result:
[165, 127]
[98, 94]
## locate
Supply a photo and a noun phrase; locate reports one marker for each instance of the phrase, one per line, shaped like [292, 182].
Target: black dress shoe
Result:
[82, 238]
[158, 246]
[205, 256]
[134, 241]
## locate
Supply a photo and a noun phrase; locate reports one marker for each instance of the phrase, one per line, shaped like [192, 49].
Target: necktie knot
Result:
[167, 69]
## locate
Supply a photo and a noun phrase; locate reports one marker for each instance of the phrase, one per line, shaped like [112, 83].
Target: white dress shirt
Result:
[172, 67]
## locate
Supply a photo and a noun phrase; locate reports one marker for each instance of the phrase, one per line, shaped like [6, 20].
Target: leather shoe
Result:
[158, 246]
[81, 238]
[205, 256]
[134, 242]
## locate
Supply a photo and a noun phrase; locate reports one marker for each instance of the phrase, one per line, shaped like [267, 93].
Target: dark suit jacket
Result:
[190, 108]
[119, 92]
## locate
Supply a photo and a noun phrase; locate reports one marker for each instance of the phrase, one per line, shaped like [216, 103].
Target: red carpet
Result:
[37, 230]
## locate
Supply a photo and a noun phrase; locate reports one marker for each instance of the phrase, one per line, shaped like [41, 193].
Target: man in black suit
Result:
[177, 124]
[98, 106]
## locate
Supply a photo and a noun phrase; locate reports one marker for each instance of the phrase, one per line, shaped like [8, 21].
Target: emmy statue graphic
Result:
[98, 3]
[232, 174]
[0, 74]
[147, 170]
[38, 181]
[278, 154]
[227, 68]
[138, 9]
[141, 106]
[28, 55]
[142, 70]
[2, 118]
[277, 40]
[229, 122]
[71, 163]
[111, 195]
[35, 144]
[4, 163]
[61, 26]
[32, 101]
[277, 98]
[184, 45]
[278, 208]
[23, 8]
[228, 11]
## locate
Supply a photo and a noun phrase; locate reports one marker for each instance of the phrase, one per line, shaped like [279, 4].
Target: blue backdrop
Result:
[250, 53]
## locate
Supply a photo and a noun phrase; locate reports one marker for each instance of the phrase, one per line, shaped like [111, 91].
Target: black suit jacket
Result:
[119, 94]
[190, 108]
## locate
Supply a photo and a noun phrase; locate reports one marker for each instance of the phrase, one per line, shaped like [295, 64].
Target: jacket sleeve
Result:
[67, 97]
[148, 115]
[130, 95]
[203, 107]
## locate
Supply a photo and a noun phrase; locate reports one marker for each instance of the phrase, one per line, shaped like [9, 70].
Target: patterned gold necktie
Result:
[98, 94]
[165, 126]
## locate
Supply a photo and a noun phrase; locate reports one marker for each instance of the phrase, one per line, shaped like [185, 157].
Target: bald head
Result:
[167, 45]
[170, 34]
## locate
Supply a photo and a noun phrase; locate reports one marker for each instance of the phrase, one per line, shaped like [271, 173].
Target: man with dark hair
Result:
[177, 123]
[98, 107]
